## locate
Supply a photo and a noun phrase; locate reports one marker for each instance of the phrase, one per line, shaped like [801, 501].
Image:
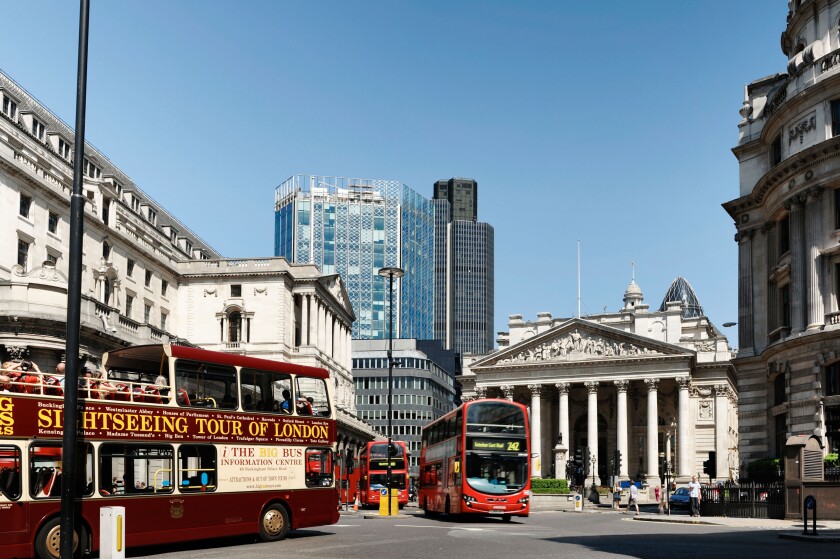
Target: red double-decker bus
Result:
[475, 460]
[193, 443]
[373, 472]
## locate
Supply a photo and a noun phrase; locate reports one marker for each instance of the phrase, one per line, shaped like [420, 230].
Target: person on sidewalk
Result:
[694, 495]
[634, 498]
[617, 496]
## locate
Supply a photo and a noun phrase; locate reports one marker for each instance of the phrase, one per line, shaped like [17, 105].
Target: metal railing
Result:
[744, 500]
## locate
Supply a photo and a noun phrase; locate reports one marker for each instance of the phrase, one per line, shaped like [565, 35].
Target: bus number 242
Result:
[513, 446]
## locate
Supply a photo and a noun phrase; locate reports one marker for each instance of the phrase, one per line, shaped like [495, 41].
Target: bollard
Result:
[810, 503]
[112, 533]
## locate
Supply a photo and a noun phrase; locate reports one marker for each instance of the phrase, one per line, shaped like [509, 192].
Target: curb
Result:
[803, 538]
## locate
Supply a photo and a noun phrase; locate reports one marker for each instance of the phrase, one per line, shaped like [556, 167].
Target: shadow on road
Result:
[216, 543]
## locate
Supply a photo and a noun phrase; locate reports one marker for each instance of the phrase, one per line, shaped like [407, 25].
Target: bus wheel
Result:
[446, 509]
[426, 510]
[506, 518]
[47, 542]
[274, 524]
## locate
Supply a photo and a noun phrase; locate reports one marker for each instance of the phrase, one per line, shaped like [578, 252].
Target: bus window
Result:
[205, 385]
[319, 467]
[312, 397]
[45, 470]
[197, 468]
[131, 469]
[10, 472]
[265, 390]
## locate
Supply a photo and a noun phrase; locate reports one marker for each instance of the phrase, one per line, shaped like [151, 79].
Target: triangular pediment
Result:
[579, 340]
[335, 286]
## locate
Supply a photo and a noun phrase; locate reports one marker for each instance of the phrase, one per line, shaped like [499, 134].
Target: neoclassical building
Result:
[787, 221]
[146, 277]
[658, 387]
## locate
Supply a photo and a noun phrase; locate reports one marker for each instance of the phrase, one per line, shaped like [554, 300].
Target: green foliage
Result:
[831, 459]
[549, 485]
[766, 469]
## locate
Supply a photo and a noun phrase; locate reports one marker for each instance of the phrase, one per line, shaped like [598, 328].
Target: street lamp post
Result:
[390, 273]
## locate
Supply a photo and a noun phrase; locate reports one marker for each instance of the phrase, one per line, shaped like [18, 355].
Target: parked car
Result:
[680, 498]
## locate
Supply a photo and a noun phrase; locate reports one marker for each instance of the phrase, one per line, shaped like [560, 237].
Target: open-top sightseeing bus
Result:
[193, 443]
[373, 476]
[475, 460]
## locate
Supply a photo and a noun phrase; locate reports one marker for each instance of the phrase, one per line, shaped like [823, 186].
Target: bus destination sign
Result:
[498, 445]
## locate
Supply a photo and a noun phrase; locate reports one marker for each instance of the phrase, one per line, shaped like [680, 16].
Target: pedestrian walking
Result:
[657, 495]
[634, 498]
[694, 495]
[617, 496]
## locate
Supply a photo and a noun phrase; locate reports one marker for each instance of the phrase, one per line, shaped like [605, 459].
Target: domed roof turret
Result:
[632, 296]
[682, 291]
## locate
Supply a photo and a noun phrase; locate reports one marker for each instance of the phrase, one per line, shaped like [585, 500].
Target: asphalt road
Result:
[547, 534]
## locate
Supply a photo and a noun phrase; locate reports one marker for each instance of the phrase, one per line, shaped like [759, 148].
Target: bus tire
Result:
[426, 510]
[506, 518]
[274, 523]
[447, 510]
[47, 542]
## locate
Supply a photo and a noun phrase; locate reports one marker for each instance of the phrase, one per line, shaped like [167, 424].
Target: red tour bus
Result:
[193, 443]
[373, 472]
[475, 460]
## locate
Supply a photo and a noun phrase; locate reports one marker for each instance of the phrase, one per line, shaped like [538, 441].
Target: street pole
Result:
[390, 273]
[74, 304]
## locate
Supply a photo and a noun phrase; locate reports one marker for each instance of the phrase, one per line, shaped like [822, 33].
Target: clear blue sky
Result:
[607, 122]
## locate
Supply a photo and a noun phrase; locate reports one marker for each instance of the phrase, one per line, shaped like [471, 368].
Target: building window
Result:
[164, 285]
[148, 278]
[835, 118]
[151, 215]
[135, 203]
[234, 327]
[784, 234]
[38, 129]
[106, 210]
[776, 151]
[129, 303]
[63, 149]
[92, 170]
[9, 107]
[106, 250]
[832, 379]
[188, 247]
[785, 296]
[23, 254]
[52, 223]
[163, 317]
[147, 313]
[236, 290]
[129, 268]
[51, 258]
[780, 434]
[779, 392]
[25, 205]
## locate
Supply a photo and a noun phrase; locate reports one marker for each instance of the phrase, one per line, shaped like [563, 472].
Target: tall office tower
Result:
[787, 214]
[462, 195]
[464, 269]
[354, 227]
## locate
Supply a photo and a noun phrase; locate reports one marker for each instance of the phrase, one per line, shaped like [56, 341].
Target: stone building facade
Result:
[658, 387]
[146, 277]
[787, 220]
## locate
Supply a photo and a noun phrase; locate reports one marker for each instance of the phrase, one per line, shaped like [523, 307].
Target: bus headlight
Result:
[469, 500]
[524, 500]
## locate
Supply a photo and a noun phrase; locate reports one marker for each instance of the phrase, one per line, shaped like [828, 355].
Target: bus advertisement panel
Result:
[193, 443]
[475, 460]
[373, 464]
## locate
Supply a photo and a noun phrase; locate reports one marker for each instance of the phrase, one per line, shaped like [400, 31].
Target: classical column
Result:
[561, 450]
[507, 389]
[304, 320]
[480, 392]
[772, 248]
[797, 265]
[621, 427]
[745, 288]
[536, 430]
[722, 430]
[652, 432]
[813, 296]
[592, 429]
[683, 460]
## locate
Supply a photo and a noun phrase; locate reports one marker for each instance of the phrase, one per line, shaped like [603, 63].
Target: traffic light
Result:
[617, 462]
[578, 458]
[710, 465]
[586, 461]
[348, 462]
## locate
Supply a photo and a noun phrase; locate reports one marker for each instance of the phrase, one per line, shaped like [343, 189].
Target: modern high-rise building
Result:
[354, 227]
[464, 269]
[787, 217]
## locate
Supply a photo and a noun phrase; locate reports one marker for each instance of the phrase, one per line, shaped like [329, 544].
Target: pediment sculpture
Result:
[575, 346]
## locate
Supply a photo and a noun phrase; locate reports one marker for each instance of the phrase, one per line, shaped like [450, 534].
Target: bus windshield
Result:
[380, 481]
[495, 417]
[496, 474]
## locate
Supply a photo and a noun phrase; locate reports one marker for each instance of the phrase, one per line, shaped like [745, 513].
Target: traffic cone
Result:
[356, 503]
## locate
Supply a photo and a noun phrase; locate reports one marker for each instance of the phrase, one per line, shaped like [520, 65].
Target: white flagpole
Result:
[578, 278]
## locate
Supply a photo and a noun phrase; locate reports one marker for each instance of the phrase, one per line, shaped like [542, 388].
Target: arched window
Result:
[106, 296]
[234, 327]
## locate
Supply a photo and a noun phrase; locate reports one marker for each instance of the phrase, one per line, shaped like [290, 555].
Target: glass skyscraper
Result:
[464, 269]
[354, 227]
